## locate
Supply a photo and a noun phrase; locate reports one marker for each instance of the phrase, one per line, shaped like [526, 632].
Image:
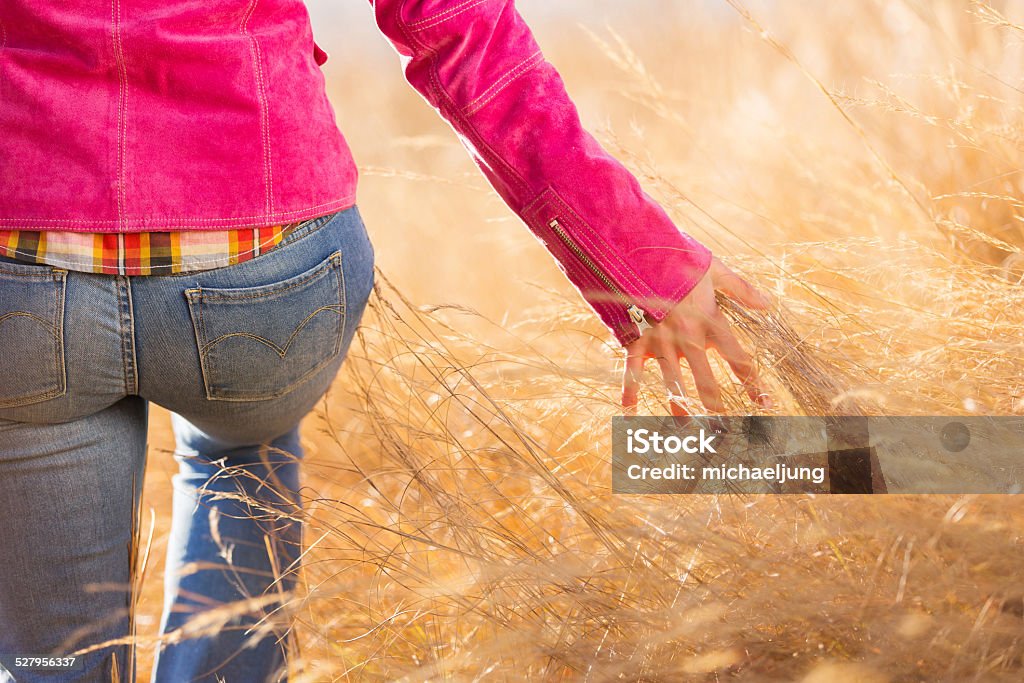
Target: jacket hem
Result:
[163, 224]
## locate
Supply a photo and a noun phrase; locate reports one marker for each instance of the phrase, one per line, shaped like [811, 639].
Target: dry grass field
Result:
[861, 160]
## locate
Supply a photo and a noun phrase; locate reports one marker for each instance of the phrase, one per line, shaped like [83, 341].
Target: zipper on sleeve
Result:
[636, 314]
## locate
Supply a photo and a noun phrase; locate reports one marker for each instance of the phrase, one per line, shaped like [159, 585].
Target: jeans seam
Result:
[48, 274]
[343, 305]
[206, 364]
[133, 358]
[60, 297]
[124, 323]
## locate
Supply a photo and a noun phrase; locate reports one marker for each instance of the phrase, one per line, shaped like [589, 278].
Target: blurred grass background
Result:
[862, 161]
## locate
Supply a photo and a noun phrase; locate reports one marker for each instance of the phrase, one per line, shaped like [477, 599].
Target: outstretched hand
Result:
[695, 325]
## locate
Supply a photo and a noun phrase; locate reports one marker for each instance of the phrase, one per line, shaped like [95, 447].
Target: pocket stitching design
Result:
[198, 296]
[30, 316]
[337, 308]
[55, 329]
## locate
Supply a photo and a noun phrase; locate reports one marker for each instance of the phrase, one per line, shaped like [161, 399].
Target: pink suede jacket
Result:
[211, 114]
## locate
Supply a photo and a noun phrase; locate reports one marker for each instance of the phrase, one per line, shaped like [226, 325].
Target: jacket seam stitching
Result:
[588, 234]
[532, 212]
[532, 207]
[444, 98]
[511, 76]
[687, 285]
[261, 91]
[122, 105]
[442, 17]
[518, 181]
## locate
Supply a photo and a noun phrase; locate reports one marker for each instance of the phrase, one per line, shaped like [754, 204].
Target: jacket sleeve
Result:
[477, 63]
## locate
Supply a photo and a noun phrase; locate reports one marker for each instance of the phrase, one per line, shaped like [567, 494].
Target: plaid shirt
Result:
[143, 253]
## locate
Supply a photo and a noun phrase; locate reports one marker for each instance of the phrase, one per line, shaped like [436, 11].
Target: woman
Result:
[179, 226]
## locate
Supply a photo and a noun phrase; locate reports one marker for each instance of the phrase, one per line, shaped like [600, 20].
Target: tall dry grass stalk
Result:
[862, 162]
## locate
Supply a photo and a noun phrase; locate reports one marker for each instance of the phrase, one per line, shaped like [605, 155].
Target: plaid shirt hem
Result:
[143, 253]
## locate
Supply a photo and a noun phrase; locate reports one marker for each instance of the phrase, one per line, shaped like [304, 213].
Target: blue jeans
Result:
[238, 355]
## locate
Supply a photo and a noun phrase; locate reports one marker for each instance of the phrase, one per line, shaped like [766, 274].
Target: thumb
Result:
[631, 375]
[736, 288]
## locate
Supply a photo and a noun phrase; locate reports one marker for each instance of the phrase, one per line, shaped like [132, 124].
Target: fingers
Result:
[707, 386]
[668, 361]
[741, 363]
[631, 377]
[735, 287]
[693, 326]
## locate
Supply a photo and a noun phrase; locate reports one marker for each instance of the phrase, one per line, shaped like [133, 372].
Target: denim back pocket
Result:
[31, 334]
[258, 343]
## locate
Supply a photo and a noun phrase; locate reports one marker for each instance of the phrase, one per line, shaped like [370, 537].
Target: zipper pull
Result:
[639, 318]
